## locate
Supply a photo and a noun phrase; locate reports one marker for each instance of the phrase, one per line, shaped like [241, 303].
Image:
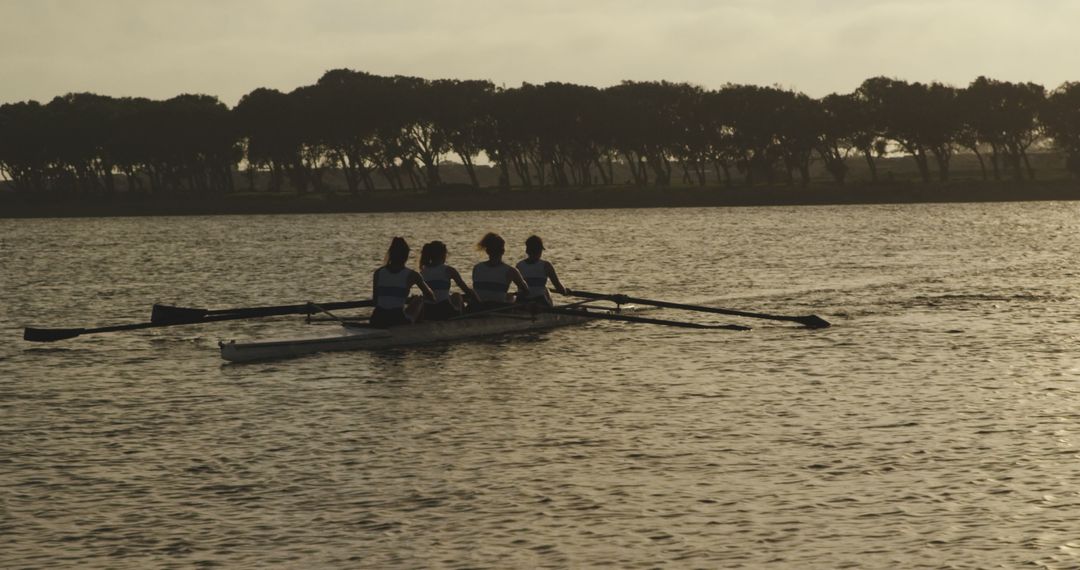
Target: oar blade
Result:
[168, 314]
[813, 322]
[50, 335]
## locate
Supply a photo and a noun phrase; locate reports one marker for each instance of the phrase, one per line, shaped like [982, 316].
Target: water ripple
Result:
[934, 426]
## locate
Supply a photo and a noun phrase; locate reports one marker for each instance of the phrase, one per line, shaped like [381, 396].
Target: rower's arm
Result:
[518, 280]
[550, 269]
[456, 277]
[417, 280]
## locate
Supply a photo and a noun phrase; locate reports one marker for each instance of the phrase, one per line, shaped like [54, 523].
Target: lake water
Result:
[934, 425]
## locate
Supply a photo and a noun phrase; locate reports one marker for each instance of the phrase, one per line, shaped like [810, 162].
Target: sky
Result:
[226, 48]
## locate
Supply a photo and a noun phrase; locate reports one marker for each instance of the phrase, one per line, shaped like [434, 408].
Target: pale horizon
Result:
[228, 48]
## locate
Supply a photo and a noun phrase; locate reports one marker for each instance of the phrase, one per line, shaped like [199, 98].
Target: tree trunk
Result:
[982, 163]
[365, 175]
[1027, 165]
[942, 158]
[633, 164]
[504, 175]
[522, 169]
[995, 157]
[869, 156]
[467, 161]
[924, 167]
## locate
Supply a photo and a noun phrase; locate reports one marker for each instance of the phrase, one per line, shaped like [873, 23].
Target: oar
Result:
[324, 309]
[811, 321]
[645, 320]
[34, 334]
[167, 314]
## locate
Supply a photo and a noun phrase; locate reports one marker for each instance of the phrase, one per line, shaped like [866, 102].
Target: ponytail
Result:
[397, 253]
[432, 253]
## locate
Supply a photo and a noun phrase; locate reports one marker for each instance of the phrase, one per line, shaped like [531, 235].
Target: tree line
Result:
[399, 131]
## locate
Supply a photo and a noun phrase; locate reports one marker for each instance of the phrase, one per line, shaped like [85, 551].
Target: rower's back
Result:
[491, 281]
[392, 287]
[535, 273]
[438, 278]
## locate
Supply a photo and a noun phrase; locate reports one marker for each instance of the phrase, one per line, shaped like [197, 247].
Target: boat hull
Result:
[363, 337]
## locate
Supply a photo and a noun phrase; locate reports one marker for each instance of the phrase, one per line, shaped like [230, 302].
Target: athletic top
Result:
[491, 283]
[438, 278]
[535, 275]
[392, 289]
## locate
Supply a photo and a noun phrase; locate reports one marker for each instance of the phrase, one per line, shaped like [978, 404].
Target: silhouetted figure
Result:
[438, 275]
[390, 288]
[492, 278]
[537, 272]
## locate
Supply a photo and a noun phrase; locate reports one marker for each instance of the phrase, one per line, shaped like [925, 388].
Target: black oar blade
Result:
[167, 314]
[50, 335]
[813, 322]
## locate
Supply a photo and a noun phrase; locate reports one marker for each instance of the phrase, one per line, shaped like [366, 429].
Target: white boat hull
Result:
[364, 337]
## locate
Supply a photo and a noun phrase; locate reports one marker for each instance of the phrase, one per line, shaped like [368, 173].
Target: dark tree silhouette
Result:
[25, 143]
[1061, 118]
[896, 107]
[375, 131]
[648, 126]
[840, 128]
[754, 117]
[265, 119]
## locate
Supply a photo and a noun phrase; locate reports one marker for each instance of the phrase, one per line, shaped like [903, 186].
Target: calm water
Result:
[935, 425]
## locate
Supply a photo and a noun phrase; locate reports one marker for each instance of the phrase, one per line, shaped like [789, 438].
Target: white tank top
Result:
[438, 278]
[535, 275]
[392, 289]
[491, 283]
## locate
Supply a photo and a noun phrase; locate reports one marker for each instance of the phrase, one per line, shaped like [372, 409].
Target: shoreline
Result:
[485, 199]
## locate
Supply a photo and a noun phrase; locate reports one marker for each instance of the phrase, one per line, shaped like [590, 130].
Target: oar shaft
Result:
[168, 314]
[808, 320]
[35, 334]
[643, 320]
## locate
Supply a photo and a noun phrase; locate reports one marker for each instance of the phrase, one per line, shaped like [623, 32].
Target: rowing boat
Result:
[354, 336]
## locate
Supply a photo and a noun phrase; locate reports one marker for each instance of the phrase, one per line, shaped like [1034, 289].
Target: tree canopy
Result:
[398, 132]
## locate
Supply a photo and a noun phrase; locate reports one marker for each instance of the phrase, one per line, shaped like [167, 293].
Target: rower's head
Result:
[433, 253]
[398, 252]
[534, 247]
[492, 244]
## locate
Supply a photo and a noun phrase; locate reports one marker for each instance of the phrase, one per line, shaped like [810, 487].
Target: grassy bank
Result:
[14, 206]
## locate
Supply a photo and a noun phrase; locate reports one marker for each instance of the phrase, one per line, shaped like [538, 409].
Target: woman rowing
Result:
[390, 288]
[438, 275]
[492, 278]
[536, 272]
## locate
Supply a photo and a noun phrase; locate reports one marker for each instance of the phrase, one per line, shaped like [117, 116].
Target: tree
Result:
[923, 119]
[265, 119]
[1061, 119]
[24, 146]
[840, 130]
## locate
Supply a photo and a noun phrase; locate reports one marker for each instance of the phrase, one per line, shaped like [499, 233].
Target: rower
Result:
[438, 275]
[390, 288]
[536, 272]
[491, 278]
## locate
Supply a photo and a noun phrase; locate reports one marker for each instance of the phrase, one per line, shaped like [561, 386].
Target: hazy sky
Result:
[159, 48]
